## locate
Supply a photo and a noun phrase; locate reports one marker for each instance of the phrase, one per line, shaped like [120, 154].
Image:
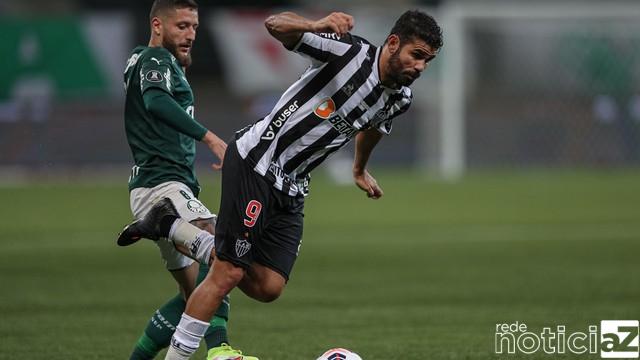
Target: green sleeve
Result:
[164, 108]
[155, 70]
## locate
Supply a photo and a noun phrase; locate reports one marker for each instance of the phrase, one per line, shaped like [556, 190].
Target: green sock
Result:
[216, 334]
[160, 328]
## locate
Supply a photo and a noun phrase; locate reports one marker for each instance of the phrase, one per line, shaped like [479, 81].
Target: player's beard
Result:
[398, 74]
[184, 60]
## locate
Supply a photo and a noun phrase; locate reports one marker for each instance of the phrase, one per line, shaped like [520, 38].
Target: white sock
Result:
[186, 338]
[198, 242]
[175, 354]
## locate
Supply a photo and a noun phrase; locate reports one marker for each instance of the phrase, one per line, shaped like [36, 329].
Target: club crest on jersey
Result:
[154, 76]
[383, 114]
[242, 247]
[325, 109]
[380, 115]
[348, 89]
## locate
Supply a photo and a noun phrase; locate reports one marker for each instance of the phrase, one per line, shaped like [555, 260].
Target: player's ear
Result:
[393, 43]
[156, 26]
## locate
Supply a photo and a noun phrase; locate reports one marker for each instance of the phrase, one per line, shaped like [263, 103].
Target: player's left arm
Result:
[164, 108]
[366, 141]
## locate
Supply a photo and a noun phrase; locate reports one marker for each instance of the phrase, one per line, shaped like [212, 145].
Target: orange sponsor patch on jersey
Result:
[325, 108]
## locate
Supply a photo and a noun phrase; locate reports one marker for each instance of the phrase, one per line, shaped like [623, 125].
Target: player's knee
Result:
[222, 278]
[225, 276]
[270, 291]
[270, 295]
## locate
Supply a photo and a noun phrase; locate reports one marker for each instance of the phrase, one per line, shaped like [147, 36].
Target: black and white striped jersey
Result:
[337, 96]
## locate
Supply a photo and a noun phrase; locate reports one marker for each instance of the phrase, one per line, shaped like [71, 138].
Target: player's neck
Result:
[155, 41]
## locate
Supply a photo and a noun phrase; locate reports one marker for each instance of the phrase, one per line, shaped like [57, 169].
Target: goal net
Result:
[555, 85]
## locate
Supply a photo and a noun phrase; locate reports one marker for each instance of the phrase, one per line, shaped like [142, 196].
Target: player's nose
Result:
[191, 34]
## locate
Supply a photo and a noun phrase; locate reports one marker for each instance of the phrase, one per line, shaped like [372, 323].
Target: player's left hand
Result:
[368, 184]
[217, 147]
[219, 150]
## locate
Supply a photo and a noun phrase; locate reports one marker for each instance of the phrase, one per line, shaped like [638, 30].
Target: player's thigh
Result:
[244, 204]
[282, 238]
[188, 206]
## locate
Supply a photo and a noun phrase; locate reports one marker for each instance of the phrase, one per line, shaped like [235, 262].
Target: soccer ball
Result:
[339, 354]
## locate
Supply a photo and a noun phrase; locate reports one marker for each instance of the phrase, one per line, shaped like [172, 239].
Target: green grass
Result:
[424, 273]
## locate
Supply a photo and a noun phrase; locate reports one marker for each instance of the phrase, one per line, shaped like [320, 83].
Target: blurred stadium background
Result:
[512, 184]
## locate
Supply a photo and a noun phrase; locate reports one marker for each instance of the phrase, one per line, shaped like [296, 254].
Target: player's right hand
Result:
[368, 184]
[337, 22]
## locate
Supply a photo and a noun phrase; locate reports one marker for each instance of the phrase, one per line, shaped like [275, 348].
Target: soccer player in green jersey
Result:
[161, 132]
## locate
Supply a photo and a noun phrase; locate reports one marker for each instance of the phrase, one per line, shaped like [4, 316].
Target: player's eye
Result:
[423, 56]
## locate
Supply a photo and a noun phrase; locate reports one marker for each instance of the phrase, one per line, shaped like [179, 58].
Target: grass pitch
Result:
[424, 273]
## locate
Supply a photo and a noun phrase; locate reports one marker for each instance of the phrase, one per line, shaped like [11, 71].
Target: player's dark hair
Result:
[161, 6]
[416, 24]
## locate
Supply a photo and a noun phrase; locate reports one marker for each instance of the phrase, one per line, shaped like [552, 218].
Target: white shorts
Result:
[189, 208]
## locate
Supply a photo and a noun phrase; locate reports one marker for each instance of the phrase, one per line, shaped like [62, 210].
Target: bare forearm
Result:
[211, 139]
[288, 27]
[366, 141]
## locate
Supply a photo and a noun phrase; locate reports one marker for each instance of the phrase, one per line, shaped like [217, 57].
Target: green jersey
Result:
[160, 151]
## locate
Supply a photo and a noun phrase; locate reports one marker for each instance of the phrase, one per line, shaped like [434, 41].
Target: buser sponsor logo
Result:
[280, 120]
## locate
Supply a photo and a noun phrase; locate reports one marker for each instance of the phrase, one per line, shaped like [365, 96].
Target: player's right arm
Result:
[289, 27]
[366, 141]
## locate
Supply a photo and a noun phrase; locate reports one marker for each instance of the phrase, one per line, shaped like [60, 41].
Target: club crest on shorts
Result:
[242, 247]
[196, 207]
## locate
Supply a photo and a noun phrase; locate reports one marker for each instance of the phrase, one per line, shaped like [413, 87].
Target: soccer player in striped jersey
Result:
[161, 131]
[352, 90]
